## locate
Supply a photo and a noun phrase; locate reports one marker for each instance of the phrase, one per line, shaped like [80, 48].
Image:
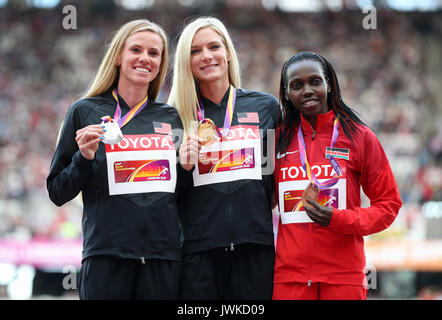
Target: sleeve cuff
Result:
[81, 161]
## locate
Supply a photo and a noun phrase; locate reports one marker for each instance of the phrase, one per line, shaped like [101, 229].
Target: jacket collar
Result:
[107, 95]
[324, 121]
[211, 103]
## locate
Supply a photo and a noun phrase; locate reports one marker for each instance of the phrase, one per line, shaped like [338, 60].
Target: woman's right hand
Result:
[88, 139]
[189, 151]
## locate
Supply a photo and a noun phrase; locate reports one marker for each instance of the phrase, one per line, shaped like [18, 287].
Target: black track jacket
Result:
[134, 226]
[230, 213]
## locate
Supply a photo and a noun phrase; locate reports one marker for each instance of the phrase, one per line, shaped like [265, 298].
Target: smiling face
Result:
[209, 57]
[307, 88]
[140, 59]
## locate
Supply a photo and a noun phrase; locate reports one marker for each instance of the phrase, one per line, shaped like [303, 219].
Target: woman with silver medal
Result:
[132, 240]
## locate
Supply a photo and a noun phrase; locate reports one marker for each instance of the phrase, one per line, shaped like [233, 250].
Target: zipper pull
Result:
[231, 247]
[309, 283]
[314, 135]
[143, 261]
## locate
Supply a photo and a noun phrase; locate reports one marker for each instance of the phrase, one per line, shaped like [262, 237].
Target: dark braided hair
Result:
[289, 117]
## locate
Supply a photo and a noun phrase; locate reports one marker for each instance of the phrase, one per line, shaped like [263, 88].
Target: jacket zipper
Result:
[309, 240]
[142, 258]
[309, 248]
[232, 246]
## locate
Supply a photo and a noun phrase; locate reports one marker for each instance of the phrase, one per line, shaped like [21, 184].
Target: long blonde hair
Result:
[108, 72]
[183, 94]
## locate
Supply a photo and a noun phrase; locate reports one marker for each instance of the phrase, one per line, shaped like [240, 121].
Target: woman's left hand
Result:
[319, 214]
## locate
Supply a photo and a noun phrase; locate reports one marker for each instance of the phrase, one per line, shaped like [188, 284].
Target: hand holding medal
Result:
[88, 138]
[113, 134]
[189, 151]
[207, 133]
[319, 214]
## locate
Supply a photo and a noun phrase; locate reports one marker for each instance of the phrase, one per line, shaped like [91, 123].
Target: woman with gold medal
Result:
[223, 196]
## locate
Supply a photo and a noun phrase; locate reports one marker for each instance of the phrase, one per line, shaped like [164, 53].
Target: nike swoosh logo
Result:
[279, 156]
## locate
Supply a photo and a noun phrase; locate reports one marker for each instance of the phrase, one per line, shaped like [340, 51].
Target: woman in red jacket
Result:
[325, 154]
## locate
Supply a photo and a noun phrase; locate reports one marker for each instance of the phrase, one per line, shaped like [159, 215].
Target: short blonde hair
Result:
[108, 72]
[183, 94]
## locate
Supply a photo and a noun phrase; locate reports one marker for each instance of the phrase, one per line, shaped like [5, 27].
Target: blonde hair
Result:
[183, 94]
[108, 72]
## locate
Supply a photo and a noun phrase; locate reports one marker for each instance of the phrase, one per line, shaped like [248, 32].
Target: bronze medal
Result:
[207, 132]
[312, 192]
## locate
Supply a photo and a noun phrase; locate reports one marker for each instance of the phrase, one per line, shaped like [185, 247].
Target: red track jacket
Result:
[307, 252]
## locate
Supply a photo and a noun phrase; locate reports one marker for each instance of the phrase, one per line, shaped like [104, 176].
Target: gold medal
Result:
[312, 192]
[207, 132]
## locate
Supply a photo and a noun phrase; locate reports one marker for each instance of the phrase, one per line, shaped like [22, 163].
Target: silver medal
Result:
[113, 132]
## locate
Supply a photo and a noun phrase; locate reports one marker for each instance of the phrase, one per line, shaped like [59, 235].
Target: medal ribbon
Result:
[305, 164]
[229, 112]
[131, 114]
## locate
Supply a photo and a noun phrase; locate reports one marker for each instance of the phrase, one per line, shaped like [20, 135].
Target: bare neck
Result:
[132, 94]
[214, 91]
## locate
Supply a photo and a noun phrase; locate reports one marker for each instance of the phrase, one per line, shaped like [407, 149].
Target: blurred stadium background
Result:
[390, 75]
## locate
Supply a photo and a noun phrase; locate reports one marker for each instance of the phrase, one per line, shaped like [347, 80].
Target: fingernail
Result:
[104, 130]
[101, 138]
[102, 126]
